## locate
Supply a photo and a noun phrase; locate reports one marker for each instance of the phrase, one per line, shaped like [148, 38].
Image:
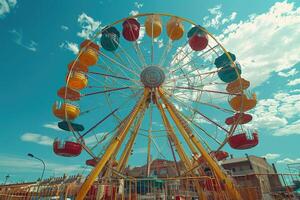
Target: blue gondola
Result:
[223, 60]
[66, 126]
[229, 74]
[110, 39]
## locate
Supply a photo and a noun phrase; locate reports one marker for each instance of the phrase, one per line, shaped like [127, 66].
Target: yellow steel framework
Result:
[221, 175]
[112, 147]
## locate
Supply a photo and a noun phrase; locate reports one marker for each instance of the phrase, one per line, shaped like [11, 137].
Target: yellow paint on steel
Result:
[186, 161]
[213, 165]
[111, 148]
[125, 155]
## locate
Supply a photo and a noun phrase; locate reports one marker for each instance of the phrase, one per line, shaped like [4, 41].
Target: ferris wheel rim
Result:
[77, 134]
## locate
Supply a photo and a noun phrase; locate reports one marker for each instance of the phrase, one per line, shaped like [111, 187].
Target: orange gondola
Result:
[153, 26]
[237, 85]
[88, 54]
[242, 103]
[68, 93]
[77, 80]
[65, 110]
[175, 28]
[77, 66]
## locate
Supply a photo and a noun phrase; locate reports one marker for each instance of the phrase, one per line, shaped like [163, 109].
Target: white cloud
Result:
[92, 140]
[294, 82]
[160, 42]
[88, 25]
[271, 156]
[37, 138]
[64, 28]
[265, 43]
[289, 161]
[18, 39]
[291, 72]
[275, 113]
[216, 18]
[72, 46]
[133, 12]
[26, 164]
[138, 5]
[52, 126]
[290, 129]
[6, 6]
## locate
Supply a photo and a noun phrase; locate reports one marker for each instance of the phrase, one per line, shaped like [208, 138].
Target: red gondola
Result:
[91, 162]
[198, 39]
[220, 155]
[66, 148]
[131, 29]
[243, 141]
[245, 118]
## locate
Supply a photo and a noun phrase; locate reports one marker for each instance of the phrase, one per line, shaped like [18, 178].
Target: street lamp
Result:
[44, 166]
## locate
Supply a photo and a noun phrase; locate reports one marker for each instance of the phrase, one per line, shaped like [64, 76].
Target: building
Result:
[253, 171]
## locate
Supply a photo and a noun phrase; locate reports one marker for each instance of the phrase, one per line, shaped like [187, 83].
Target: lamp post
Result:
[44, 166]
[6, 179]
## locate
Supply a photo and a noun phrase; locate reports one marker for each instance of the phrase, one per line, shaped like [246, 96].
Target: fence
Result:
[251, 187]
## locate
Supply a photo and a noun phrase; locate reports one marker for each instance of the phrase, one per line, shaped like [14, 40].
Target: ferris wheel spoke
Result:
[204, 103]
[152, 45]
[202, 130]
[165, 53]
[109, 70]
[139, 53]
[119, 64]
[179, 50]
[196, 88]
[201, 114]
[199, 127]
[100, 122]
[104, 91]
[109, 75]
[115, 83]
[192, 60]
[130, 60]
[192, 76]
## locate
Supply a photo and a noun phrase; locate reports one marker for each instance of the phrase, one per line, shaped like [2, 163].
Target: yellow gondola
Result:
[242, 103]
[88, 54]
[65, 110]
[77, 80]
[153, 26]
[237, 85]
[175, 28]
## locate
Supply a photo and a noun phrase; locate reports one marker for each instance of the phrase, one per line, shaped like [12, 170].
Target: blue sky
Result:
[40, 38]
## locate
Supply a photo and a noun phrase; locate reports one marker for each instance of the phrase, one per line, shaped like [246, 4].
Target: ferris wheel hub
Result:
[152, 76]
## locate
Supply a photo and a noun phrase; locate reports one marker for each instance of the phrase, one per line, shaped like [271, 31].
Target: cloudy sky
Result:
[40, 37]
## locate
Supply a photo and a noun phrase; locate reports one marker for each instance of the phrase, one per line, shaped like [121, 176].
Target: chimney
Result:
[250, 164]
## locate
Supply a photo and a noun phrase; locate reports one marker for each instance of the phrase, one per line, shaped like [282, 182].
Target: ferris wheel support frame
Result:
[112, 147]
[125, 155]
[186, 161]
[214, 166]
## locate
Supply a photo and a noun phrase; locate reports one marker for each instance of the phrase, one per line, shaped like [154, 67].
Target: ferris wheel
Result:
[156, 83]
